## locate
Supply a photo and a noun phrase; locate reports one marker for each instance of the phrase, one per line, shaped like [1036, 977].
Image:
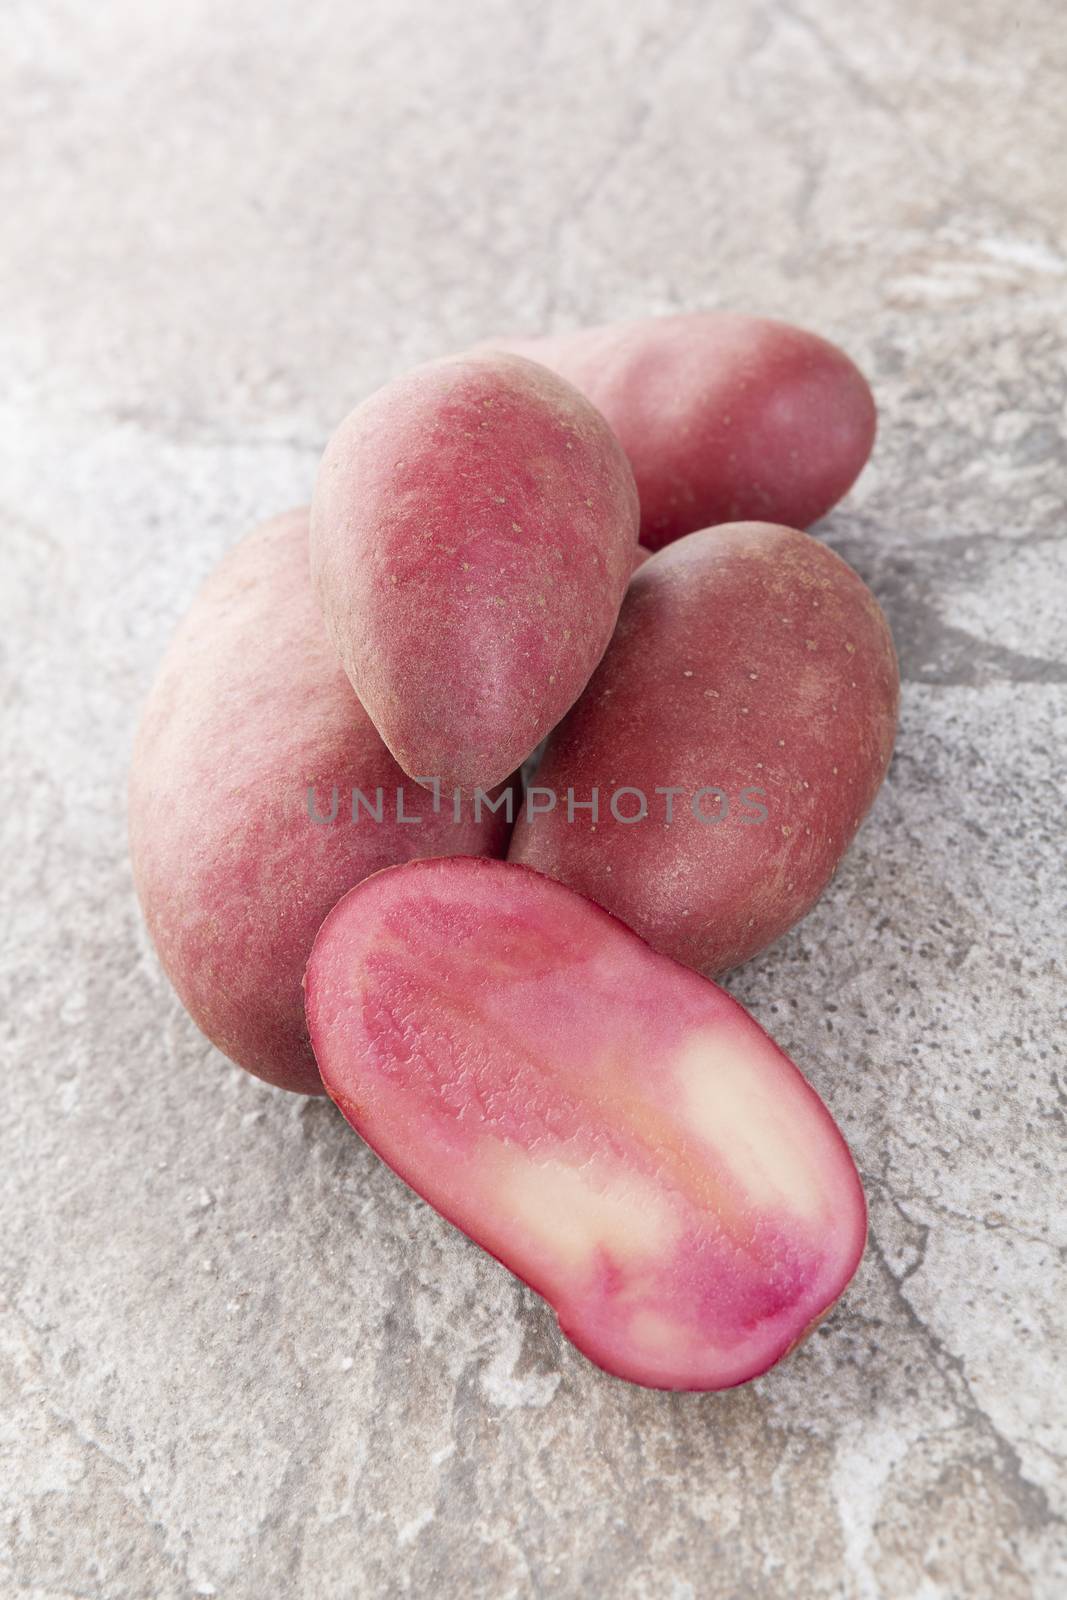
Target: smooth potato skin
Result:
[746, 656]
[250, 707]
[473, 528]
[723, 417]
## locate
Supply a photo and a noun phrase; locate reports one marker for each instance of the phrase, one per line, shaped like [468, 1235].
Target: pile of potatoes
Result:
[591, 541]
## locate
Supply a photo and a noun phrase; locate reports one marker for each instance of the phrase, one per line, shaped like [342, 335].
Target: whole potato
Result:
[724, 417]
[748, 704]
[250, 711]
[473, 528]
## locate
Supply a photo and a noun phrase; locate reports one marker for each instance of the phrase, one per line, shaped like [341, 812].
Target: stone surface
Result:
[237, 1357]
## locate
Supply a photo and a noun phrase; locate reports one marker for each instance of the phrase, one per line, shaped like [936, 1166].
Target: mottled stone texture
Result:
[236, 1356]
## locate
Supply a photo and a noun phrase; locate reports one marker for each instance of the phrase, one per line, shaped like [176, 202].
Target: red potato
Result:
[249, 709]
[612, 1127]
[723, 417]
[473, 529]
[753, 674]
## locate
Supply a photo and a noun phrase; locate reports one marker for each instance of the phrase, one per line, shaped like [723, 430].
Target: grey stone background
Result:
[237, 1358]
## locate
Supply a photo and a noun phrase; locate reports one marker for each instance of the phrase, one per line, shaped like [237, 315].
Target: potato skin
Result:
[473, 528]
[250, 706]
[723, 417]
[746, 657]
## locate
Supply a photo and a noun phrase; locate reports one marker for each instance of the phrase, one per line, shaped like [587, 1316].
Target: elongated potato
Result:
[748, 703]
[723, 417]
[474, 524]
[613, 1128]
[251, 733]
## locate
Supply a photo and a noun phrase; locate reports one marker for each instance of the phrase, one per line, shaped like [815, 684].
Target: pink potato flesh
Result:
[613, 1128]
[249, 708]
[747, 658]
[473, 529]
[724, 417]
